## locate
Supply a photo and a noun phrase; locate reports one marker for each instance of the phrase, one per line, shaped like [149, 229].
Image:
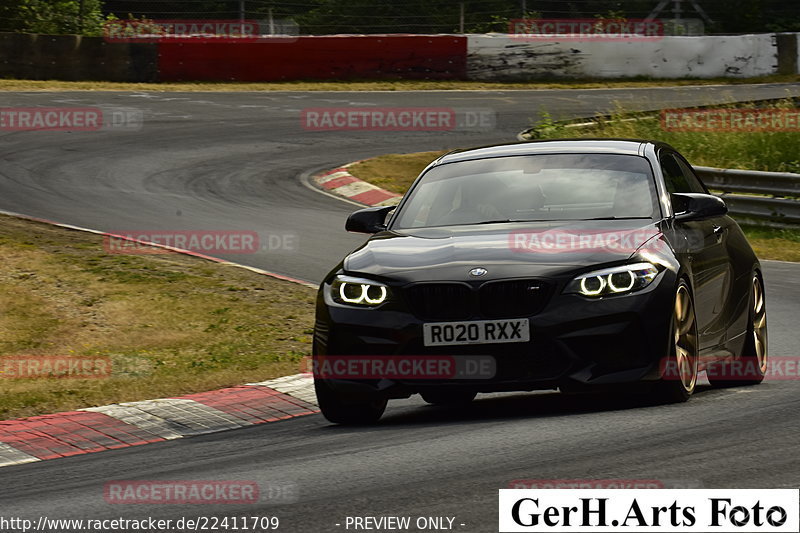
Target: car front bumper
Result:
[575, 343]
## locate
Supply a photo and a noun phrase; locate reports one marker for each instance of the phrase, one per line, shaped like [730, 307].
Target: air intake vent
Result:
[440, 301]
[514, 298]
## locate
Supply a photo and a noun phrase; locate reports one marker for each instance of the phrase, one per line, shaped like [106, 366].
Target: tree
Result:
[82, 17]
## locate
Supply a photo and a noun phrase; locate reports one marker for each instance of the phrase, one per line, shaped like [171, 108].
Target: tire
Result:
[751, 366]
[456, 397]
[680, 371]
[346, 412]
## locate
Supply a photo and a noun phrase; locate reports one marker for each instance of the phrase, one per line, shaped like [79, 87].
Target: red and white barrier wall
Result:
[335, 57]
[502, 56]
[343, 57]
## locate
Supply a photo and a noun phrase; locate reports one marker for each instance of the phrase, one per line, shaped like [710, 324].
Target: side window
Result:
[692, 180]
[674, 178]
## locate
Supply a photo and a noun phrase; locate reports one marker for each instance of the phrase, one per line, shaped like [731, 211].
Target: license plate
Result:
[476, 332]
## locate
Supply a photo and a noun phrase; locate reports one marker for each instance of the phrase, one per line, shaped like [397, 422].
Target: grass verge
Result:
[779, 244]
[393, 172]
[380, 85]
[396, 172]
[169, 324]
[766, 150]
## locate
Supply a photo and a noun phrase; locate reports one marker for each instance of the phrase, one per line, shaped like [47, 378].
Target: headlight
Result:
[360, 292]
[616, 280]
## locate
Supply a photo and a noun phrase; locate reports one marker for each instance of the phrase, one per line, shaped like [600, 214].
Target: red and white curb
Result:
[341, 183]
[96, 429]
[109, 427]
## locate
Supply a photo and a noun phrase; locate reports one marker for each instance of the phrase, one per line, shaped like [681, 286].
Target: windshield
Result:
[540, 187]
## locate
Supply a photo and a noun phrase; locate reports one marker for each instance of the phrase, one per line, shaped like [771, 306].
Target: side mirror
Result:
[370, 220]
[695, 206]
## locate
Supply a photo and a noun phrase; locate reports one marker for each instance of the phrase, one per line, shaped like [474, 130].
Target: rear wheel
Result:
[751, 367]
[680, 372]
[340, 410]
[436, 397]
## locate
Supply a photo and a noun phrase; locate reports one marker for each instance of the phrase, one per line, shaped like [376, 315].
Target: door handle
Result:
[719, 231]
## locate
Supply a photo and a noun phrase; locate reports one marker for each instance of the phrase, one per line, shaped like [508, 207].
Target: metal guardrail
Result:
[755, 197]
[751, 181]
[752, 196]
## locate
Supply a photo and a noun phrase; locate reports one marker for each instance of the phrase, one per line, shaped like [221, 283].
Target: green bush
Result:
[82, 17]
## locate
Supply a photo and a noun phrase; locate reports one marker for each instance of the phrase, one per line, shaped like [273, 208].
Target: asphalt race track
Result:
[231, 161]
[234, 161]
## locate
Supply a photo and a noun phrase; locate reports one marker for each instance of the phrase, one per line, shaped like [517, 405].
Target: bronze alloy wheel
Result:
[758, 331]
[680, 371]
[751, 366]
[685, 338]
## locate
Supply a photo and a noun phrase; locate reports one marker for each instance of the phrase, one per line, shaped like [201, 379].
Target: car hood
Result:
[537, 249]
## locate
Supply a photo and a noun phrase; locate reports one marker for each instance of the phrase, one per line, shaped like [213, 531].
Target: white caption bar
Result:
[654, 510]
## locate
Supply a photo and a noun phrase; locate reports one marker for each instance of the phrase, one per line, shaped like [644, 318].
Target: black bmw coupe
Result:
[567, 264]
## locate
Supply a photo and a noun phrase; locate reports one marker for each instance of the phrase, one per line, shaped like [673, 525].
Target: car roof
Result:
[561, 146]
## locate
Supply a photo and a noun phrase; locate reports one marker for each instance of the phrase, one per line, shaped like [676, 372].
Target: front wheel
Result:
[679, 376]
[751, 367]
[339, 410]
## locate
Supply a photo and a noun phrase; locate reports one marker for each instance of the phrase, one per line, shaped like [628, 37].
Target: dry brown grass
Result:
[170, 324]
[393, 172]
[776, 248]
